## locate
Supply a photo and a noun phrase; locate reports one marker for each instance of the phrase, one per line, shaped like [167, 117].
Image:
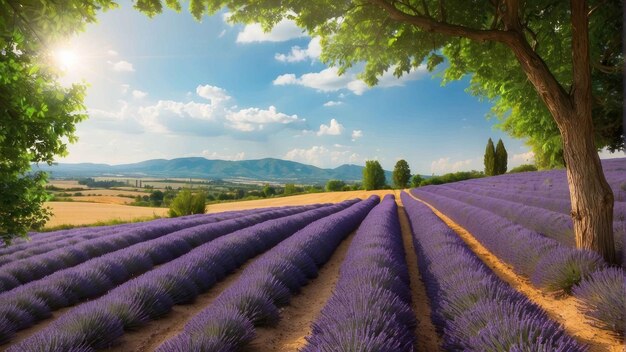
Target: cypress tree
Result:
[490, 159]
[501, 158]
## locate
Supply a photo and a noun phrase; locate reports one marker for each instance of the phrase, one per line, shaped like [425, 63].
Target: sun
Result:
[66, 59]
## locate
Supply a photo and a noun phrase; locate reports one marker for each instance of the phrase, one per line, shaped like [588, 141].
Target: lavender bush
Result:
[603, 299]
[146, 296]
[521, 248]
[472, 308]
[370, 306]
[258, 303]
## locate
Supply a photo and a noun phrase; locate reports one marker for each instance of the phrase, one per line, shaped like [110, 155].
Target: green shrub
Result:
[523, 168]
[334, 185]
[187, 203]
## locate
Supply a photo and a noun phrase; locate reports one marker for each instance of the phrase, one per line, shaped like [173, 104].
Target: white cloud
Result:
[282, 31]
[444, 165]
[137, 94]
[297, 54]
[215, 94]
[124, 88]
[285, 79]
[112, 53]
[222, 33]
[321, 156]
[522, 158]
[214, 116]
[356, 134]
[328, 80]
[334, 129]
[216, 155]
[332, 103]
[123, 66]
[389, 80]
[255, 119]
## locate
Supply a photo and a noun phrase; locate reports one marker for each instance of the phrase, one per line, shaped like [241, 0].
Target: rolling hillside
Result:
[268, 169]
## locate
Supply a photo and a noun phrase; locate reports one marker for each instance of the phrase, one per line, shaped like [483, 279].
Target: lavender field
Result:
[218, 282]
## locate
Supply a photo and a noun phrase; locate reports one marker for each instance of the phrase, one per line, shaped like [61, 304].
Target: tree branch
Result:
[593, 9]
[581, 62]
[431, 25]
[511, 16]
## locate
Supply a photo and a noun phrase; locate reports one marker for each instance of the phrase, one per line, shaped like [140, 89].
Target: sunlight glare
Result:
[66, 59]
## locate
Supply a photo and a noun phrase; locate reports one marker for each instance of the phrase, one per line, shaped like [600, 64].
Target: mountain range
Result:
[267, 169]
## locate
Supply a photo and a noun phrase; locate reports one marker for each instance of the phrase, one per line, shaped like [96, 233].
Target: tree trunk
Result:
[591, 196]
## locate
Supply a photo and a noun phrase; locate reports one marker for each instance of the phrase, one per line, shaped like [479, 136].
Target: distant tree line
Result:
[92, 183]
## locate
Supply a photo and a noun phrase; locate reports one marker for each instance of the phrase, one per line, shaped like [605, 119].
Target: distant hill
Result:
[268, 169]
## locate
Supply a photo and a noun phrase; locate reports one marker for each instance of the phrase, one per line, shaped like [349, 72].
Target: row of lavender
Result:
[29, 303]
[551, 224]
[549, 264]
[267, 284]
[472, 308]
[31, 246]
[560, 205]
[553, 184]
[370, 306]
[100, 322]
[29, 269]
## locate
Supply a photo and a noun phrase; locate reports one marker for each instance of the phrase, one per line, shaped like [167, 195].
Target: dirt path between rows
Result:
[151, 336]
[427, 337]
[297, 317]
[561, 309]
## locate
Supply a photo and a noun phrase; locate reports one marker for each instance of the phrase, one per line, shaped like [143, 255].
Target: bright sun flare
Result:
[66, 59]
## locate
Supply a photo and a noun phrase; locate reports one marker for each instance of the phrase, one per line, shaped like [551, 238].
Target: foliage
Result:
[604, 301]
[335, 185]
[401, 174]
[187, 203]
[523, 168]
[290, 188]
[37, 115]
[269, 190]
[490, 159]
[452, 177]
[416, 180]
[501, 158]
[373, 175]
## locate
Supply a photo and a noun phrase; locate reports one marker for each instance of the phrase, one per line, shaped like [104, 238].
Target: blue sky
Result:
[172, 87]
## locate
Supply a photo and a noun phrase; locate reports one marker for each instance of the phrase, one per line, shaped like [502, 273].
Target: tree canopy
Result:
[37, 115]
[334, 185]
[401, 174]
[373, 175]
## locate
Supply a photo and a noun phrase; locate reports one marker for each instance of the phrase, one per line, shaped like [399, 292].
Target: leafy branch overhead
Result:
[469, 38]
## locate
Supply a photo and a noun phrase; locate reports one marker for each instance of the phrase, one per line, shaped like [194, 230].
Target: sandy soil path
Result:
[561, 309]
[297, 317]
[151, 336]
[427, 337]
